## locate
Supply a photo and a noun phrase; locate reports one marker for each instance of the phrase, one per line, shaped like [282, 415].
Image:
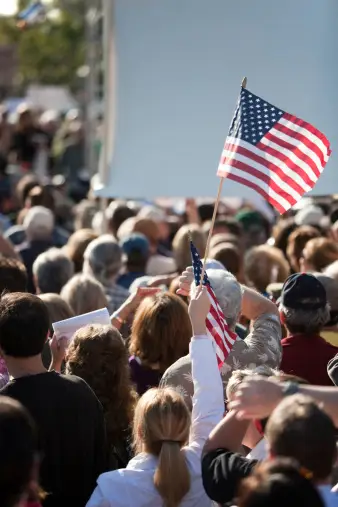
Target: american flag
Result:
[273, 152]
[216, 324]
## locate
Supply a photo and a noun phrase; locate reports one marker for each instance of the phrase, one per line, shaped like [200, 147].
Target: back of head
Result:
[24, 325]
[13, 275]
[228, 293]
[58, 309]
[76, 246]
[103, 259]
[84, 214]
[39, 223]
[263, 265]
[18, 447]
[181, 244]
[296, 243]
[230, 256]
[150, 229]
[282, 231]
[298, 428]
[117, 213]
[278, 483]
[161, 428]
[52, 270]
[136, 248]
[319, 253]
[24, 186]
[161, 331]
[84, 294]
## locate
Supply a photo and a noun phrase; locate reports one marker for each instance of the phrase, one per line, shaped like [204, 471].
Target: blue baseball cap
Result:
[135, 243]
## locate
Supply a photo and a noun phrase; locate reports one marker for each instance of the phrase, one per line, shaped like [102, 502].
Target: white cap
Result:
[213, 264]
[152, 212]
[160, 265]
[310, 215]
[39, 222]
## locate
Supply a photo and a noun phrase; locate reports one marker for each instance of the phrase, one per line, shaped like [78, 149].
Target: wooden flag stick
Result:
[207, 248]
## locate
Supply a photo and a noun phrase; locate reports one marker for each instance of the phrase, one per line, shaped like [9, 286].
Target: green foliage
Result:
[49, 53]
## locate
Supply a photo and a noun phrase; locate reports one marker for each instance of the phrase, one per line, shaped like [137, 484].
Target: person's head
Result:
[161, 428]
[298, 428]
[39, 223]
[255, 226]
[117, 213]
[318, 254]
[161, 331]
[13, 275]
[52, 270]
[278, 483]
[303, 305]
[230, 256]
[281, 232]
[76, 246]
[136, 249]
[296, 244]
[181, 247]
[263, 265]
[19, 457]
[225, 225]
[40, 196]
[103, 259]
[107, 352]
[228, 293]
[219, 239]
[84, 294]
[24, 186]
[158, 215]
[24, 325]
[150, 229]
[58, 309]
[84, 214]
[331, 288]
[26, 118]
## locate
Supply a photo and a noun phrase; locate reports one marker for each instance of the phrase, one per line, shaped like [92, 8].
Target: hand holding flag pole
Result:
[220, 186]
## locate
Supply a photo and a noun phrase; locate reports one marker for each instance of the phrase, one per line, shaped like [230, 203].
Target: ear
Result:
[282, 317]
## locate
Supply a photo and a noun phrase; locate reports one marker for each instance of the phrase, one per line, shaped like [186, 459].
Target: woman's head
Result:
[161, 331]
[296, 244]
[103, 259]
[76, 246]
[318, 254]
[161, 427]
[84, 294]
[181, 244]
[58, 308]
[263, 265]
[98, 355]
[278, 483]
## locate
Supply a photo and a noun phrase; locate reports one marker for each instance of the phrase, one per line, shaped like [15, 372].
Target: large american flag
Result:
[273, 152]
[216, 324]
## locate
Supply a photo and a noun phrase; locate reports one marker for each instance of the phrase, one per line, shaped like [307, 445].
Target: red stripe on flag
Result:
[309, 127]
[237, 148]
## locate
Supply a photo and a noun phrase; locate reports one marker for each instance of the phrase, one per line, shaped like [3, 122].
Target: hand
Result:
[161, 280]
[256, 398]
[186, 280]
[198, 310]
[58, 347]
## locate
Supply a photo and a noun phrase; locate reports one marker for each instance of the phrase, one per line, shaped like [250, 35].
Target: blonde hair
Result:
[84, 294]
[161, 428]
[181, 248]
[238, 376]
[320, 253]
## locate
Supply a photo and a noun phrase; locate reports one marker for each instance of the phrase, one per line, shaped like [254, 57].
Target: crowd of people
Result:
[139, 413]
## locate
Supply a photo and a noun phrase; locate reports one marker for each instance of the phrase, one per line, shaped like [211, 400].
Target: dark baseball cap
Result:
[303, 291]
[135, 243]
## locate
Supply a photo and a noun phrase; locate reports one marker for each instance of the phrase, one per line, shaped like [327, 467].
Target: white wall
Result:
[179, 68]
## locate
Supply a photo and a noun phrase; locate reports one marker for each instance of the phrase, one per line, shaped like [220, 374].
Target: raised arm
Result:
[208, 403]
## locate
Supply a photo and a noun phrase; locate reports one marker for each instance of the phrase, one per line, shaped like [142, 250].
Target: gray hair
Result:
[305, 321]
[238, 376]
[84, 294]
[103, 259]
[228, 293]
[52, 270]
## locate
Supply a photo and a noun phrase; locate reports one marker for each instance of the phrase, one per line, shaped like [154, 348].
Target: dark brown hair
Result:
[98, 355]
[280, 483]
[296, 243]
[230, 256]
[161, 331]
[13, 275]
[298, 428]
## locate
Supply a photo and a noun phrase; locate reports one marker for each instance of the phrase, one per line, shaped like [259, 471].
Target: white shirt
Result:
[133, 486]
[259, 452]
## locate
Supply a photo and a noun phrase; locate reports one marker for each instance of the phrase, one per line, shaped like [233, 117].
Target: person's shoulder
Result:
[180, 367]
[71, 384]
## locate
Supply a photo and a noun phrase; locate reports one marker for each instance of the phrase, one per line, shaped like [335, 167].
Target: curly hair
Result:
[98, 355]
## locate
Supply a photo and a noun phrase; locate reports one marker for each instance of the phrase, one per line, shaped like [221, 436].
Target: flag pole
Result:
[220, 186]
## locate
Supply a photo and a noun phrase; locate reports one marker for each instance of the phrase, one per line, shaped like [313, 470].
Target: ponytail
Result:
[172, 477]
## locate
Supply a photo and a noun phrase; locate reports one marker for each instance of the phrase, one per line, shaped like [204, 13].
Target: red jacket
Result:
[307, 357]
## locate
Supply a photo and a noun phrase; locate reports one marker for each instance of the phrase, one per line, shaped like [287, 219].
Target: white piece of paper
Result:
[67, 328]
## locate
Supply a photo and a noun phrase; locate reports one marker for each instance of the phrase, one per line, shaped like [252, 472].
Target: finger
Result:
[181, 292]
[189, 269]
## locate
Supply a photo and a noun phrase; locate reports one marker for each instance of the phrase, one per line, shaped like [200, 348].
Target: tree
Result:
[51, 52]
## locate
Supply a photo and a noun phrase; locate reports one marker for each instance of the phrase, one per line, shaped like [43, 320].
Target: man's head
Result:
[228, 293]
[13, 275]
[24, 325]
[18, 449]
[103, 259]
[136, 250]
[52, 270]
[298, 428]
[303, 304]
[39, 223]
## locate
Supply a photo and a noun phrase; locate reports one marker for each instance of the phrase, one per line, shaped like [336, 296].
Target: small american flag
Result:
[273, 152]
[216, 324]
